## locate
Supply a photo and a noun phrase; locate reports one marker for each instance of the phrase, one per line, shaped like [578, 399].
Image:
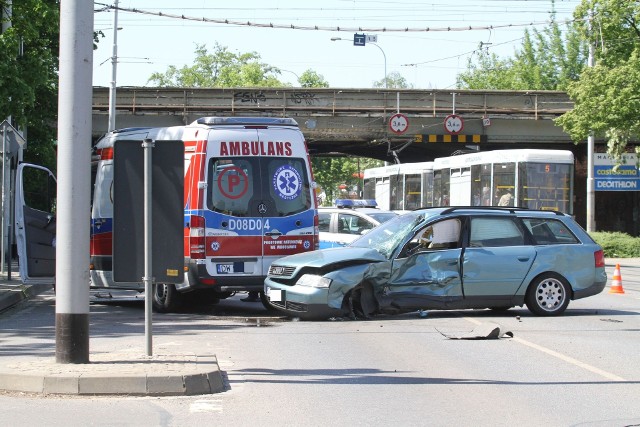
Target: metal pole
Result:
[114, 67]
[4, 199]
[147, 146]
[385, 64]
[7, 14]
[591, 224]
[74, 177]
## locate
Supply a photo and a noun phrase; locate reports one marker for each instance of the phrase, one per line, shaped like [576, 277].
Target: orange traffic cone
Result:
[616, 282]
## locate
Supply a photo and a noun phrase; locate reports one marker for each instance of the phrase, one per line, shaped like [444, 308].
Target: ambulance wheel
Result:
[166, 298]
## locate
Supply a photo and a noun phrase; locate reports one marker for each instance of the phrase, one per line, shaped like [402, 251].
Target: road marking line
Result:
[561, 356]
[571, 360]
[206, 406]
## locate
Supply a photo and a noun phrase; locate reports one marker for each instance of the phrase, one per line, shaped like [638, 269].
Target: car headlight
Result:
[313, 281]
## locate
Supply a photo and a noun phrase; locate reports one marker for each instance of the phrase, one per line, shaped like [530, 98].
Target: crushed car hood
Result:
[324, 257]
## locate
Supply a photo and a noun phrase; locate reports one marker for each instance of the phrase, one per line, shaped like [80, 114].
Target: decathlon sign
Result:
[609, 177]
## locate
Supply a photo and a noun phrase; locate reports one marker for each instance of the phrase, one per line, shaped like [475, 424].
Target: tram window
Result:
[397, 193]
[545, 186]
[445, 187]
[369, 189]
[412, 191]
[504, 179]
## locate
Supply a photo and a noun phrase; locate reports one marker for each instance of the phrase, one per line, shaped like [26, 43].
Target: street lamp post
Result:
[114, 65]
[295, 74]
[333, 39]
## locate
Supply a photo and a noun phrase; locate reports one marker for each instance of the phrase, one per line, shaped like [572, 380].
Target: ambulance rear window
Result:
[258, 186]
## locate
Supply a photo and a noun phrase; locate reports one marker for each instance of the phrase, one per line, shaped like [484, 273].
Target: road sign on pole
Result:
[359, 39]
[398, 123]
[453, 124]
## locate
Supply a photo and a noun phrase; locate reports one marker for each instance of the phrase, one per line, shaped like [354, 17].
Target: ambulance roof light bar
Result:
[247, 121]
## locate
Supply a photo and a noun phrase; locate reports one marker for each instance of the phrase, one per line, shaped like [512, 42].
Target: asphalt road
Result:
[577, 369]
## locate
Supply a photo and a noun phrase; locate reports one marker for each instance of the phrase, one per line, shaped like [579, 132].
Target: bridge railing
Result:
[332, 102]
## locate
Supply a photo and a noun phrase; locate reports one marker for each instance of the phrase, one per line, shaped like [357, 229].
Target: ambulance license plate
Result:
[224, 268]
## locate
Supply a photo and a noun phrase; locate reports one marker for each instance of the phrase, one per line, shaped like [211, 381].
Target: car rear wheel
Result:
[548, 295]
[166, 298]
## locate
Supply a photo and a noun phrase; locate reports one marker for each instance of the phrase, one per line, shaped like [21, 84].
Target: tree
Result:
[393, 80]
[607, 96]
[330, 172]
[311, 78]
[29, 47]
[545, 61]
[221, 68]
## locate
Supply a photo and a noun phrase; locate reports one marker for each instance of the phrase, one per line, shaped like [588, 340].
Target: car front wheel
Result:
[165, 298]
[548, 295]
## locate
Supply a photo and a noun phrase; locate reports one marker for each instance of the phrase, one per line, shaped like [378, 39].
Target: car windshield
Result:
[386, 237]
[382, 216]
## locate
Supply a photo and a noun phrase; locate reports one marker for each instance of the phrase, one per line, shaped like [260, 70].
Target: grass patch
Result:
[617, 244]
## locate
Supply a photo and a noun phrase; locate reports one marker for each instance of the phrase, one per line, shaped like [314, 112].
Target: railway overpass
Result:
[356, 121]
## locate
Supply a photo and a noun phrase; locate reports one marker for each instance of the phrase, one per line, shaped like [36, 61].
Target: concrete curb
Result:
[11, 294]
[116, 374]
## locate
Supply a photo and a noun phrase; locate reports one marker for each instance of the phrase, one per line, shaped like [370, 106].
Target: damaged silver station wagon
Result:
[445, 258]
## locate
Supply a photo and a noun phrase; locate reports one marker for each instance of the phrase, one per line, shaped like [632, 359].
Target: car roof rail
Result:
[510, 209]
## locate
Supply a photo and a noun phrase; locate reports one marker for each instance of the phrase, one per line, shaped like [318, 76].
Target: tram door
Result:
[461, 187]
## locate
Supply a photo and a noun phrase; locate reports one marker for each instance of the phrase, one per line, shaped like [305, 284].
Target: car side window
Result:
[440, 235]
[548, 231]
[495, 232]
[324, 220]
[362, 224]
[347, 223]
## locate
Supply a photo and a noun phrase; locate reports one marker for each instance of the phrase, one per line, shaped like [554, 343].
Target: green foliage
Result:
[617, 245]
[28, 74]
[394, 80]
[221, 68]
[311, 78]
[330, 172]
[606, 98]
[547, 60]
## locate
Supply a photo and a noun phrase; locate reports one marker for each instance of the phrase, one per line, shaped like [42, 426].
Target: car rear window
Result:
[548, 231]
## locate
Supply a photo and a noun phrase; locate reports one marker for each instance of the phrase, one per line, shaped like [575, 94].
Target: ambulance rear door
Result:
[287, 192]
[259, 199]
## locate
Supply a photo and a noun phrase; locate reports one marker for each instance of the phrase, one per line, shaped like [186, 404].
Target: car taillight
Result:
[599, 258]
[316, 233]
[197, 237]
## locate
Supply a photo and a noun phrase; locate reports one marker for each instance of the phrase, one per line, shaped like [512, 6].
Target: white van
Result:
[249, 199]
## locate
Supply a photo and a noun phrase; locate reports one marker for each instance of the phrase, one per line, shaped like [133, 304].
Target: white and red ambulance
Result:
[249, 199]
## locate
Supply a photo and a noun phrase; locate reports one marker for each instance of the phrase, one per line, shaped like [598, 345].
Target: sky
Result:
[148, 42]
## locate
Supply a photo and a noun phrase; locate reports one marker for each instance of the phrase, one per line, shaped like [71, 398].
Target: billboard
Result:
[610, 176]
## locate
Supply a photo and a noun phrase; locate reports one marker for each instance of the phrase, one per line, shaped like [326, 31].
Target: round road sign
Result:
[453, 124]
[398, 123]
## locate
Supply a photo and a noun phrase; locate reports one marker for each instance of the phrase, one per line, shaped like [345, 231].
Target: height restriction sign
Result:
[398, 123]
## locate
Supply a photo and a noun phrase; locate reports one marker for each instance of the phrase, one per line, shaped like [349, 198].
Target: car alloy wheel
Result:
[548, 295]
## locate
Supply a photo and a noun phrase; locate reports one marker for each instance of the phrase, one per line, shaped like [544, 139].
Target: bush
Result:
[617, 244]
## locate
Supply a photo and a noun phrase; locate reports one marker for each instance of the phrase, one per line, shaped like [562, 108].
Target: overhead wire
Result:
[255, 24]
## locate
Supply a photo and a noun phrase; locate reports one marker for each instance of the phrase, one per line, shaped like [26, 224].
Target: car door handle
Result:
[273, 233]
[524, 258]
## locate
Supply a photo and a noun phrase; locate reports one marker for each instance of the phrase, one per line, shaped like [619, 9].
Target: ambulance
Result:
[249, 199]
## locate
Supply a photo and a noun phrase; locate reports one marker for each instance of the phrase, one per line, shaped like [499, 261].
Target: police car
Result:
[348, 220]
